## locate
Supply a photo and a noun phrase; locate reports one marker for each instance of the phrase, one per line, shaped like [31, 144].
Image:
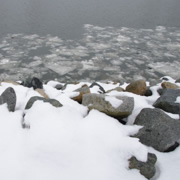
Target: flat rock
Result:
[117, 107]
[169, 85]
[9, 97]
[167, 101]
[33, 99]
[159, 130]
[137, 87]
[147, 169]
[119, 89]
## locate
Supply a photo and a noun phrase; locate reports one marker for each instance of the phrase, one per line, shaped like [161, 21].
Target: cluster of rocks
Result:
[159, 130]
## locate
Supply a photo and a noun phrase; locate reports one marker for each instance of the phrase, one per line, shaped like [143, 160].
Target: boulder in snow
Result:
[167, 101]
[159, 130]
[117, 107]
[137, 87]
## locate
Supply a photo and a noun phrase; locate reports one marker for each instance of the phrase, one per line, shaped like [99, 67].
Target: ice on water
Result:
[103, 53]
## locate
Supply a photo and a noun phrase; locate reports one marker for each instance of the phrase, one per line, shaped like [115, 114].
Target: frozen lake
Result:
[75, 40]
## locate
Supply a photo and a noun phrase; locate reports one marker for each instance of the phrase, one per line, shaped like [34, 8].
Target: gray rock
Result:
[178, 80]
[159, 130]
[147, 168]
[33, 99]
[34, 82]
[99, 102]
[59, 86]
[9, 97]
[167, 101]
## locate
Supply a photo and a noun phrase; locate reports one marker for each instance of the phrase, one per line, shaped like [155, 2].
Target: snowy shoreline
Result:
[84, 130]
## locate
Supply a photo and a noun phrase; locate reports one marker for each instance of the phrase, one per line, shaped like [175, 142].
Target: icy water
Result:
[128, 39]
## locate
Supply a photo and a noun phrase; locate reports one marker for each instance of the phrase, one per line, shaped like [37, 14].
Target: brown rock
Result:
[9, 81]
[42, 93]
[119, 89]
[83, 90]
[137, 87]
[169, 85]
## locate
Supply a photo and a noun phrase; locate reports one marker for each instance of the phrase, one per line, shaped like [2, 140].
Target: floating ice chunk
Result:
[113, 101]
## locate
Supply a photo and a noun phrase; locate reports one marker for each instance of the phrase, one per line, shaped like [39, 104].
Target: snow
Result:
[177, 100]
[113, 101]
[71, 143]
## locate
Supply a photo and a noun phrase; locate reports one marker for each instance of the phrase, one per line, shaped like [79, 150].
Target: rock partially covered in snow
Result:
[137, 87]
[83, 90]
[169, 85]
[119, 89]
[159, 130]
[9, 97]
[167, 101]
[33, 99]
[117, 107]
[147, 168]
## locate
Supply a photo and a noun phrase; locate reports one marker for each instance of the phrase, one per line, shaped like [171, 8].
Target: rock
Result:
[83, 90]
[9, 81]
[167, 101]
[42, 93]
[147, 169]
[119, 89]
[59, 86]
[148, 92]
[178, 80]
[159, 130]
[33, 99]
[34, 82]
[9, 97]
[169, 85]
[137, 87]
[101, 89]
[123, 105]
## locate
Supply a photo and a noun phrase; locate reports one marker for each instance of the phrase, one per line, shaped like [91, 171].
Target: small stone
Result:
[147, 169]
[178, 80]
[169, 85]
[33, 99]
[83, 90]
[137, 87]
[9, 97]
[59, 86]
[148, 92]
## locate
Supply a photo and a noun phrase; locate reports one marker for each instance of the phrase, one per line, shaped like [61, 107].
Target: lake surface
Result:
[83, 40]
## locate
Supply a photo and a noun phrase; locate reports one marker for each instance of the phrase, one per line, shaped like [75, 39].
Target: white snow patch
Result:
[113, 101]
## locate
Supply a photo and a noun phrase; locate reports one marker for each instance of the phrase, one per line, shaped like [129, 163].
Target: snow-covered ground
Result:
[70, 143]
